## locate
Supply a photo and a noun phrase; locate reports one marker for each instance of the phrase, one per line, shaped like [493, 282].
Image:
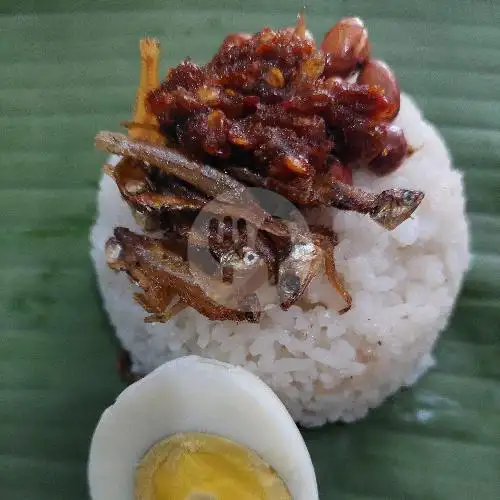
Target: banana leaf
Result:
[68, 69]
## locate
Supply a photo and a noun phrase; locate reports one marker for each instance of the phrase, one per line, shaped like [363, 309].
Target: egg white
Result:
[194, 394]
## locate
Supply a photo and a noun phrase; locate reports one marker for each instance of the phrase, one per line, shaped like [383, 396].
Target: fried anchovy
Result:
[302, 264]
[207, 179]
[154, 267]
[162, 202]
[247, 247]
[388, 208]
[175, 210]
[326, 240]
[298, 269]
[175, 186]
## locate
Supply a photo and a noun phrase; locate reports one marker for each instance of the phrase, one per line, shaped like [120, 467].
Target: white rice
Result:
[327, 367]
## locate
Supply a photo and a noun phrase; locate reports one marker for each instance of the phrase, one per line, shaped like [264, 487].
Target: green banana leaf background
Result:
[68, 69]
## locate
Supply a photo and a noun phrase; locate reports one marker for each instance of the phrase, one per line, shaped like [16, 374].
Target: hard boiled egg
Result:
[199, 429]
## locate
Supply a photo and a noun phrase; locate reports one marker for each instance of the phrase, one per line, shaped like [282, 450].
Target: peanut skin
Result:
[346, 46]
[378, 73]
[393, 154]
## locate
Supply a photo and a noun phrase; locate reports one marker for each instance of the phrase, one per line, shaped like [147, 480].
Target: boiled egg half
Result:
[199, 429]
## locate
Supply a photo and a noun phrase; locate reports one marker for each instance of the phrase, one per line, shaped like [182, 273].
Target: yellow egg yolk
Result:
[196, 466]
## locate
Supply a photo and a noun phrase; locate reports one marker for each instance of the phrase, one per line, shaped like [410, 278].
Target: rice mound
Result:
[323, 366]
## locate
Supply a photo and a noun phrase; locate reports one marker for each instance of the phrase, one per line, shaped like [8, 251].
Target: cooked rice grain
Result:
[327, 367]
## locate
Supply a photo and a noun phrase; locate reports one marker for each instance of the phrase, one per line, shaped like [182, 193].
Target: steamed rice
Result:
[327, 367]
